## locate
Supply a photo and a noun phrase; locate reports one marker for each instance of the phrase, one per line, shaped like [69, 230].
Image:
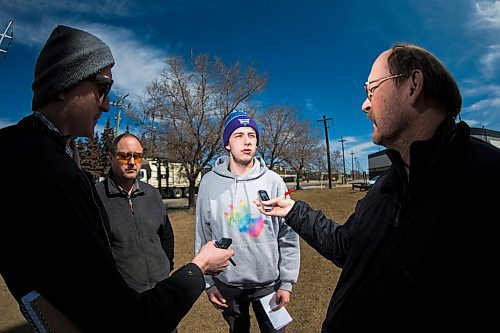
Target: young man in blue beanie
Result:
[58, 245]
[267, 250]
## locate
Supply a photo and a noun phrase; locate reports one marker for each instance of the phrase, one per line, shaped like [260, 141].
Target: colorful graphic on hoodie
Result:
[244, 220]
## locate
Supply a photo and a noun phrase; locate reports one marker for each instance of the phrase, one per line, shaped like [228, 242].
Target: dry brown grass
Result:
[311, 294]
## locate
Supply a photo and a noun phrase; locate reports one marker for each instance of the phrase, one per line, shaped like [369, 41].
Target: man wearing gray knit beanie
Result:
[62, 233]
[73, 63]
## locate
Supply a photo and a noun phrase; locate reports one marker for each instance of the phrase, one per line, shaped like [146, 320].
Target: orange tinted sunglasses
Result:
[124, 157]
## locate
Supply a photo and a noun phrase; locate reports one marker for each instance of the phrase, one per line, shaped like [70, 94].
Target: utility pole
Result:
[352, 165]
[152, 113]
[356, 165]
[327, 150]
[7, 34]
[120, 105]
[344, 181]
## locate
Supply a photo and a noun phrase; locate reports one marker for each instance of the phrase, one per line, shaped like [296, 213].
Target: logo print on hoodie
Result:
[244, 220]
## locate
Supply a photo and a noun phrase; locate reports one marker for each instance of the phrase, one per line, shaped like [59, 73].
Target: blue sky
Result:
[317, 54]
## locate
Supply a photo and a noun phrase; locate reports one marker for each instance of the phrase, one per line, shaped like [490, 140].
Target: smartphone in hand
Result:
[263, 196]
[224, 243]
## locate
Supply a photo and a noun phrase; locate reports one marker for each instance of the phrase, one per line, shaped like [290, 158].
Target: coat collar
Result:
[426, 157]
[113, 189]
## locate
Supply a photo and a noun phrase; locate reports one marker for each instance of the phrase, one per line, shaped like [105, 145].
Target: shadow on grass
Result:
[23, 328]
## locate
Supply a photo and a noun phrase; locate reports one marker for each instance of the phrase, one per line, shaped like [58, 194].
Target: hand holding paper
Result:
[279, 318]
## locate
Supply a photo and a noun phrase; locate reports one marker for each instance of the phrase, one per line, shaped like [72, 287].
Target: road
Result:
[182, 203]
[176, 203]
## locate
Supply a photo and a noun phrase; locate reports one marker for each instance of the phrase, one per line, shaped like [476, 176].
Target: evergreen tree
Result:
[107, 138]
[91, 159]
[81, 147]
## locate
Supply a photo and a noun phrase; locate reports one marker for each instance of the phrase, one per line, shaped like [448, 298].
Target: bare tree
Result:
[302, 152]
[190, 102]
[280, 126]
[336, 160]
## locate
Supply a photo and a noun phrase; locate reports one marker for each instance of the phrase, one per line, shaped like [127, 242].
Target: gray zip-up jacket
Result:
[141, 237]
[266, 249]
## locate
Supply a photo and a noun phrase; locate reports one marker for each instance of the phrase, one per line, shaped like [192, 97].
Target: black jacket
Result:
[418, 254]
[141, 235]
[55, 240]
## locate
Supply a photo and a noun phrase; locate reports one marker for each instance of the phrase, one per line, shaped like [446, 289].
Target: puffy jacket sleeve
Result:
[327, 237]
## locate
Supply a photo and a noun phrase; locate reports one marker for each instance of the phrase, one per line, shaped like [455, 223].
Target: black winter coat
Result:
[417, 254]
[55, 240]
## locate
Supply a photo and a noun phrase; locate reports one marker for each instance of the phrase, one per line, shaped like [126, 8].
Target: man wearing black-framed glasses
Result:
[58, 243]
[418, 252]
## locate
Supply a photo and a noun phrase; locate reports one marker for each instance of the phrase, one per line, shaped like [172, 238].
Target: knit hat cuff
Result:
[235, 120]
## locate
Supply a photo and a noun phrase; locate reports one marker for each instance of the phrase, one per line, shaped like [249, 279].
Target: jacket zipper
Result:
[131, 205]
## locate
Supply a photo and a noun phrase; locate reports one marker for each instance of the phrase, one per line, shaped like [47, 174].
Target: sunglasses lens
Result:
[102, 91]
[103, 85]
[138, 157]
[124, 158]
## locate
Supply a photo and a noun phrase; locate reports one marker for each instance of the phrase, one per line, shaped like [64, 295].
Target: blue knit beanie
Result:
[68, 57]
[237, 118]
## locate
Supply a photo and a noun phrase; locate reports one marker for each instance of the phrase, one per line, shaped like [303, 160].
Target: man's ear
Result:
[416, 85]
[228, 147]
[61, 96]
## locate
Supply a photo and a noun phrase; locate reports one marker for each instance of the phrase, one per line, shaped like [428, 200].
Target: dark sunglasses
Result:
[104, 85]
[124, 157]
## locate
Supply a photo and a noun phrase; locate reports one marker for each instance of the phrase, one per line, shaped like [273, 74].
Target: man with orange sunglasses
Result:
[142, 240]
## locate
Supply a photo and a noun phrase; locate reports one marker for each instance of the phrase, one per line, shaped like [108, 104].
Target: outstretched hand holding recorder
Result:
[224, 243]
[279, 206]
[263, 196]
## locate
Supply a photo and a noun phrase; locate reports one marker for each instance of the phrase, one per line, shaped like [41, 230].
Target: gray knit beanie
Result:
[68, 57]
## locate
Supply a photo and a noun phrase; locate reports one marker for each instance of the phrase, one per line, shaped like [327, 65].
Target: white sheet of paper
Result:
[279, 318]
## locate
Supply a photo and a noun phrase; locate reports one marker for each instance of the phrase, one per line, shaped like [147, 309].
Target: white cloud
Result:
[483, 105]
[5, 123]
[490, 61]
[309, 104]
[472, 122]
[364, 148]
[350, 140]
[474, 88]
[485, 112]
[485, 22]
[137, 63]
[487, 14]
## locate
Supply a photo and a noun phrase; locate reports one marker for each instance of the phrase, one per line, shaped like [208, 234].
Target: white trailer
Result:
[173, 180]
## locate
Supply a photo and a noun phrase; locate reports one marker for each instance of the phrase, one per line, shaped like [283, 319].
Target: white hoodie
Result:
[266, 249]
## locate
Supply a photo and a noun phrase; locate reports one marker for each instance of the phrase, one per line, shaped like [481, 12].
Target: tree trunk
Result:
[192, 197]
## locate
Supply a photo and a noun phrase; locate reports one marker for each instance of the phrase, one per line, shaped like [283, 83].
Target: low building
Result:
[487, 135]
[378, 163]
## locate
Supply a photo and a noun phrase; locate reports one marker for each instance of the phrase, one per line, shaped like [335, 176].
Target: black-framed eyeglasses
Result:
[369, 90]
[104, 85]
